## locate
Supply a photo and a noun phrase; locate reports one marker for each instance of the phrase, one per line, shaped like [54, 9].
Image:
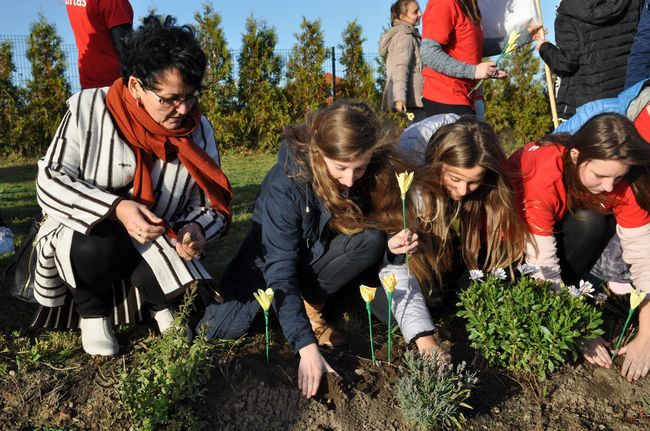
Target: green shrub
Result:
[46, 92]
[433, 395]
[527, 326]
[168, 377]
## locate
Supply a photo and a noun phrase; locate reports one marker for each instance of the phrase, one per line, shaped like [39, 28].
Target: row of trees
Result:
[250, 112]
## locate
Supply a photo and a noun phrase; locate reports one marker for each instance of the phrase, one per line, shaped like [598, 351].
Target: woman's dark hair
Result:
[605, 137]
[158, 46]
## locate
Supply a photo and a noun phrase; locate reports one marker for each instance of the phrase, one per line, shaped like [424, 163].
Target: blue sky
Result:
[284, 15]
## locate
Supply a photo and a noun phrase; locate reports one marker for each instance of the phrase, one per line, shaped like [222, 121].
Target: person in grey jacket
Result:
[400, 48]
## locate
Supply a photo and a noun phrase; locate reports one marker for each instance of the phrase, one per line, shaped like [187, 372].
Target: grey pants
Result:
[611, 266]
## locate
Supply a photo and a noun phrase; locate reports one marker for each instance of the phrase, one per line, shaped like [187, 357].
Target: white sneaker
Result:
[164, 318]
[97, 337]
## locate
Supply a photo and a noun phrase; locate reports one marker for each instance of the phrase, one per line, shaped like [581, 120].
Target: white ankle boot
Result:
[164, 318]
[97, 337]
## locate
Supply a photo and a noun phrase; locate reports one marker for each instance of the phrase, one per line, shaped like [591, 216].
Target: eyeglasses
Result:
[174, 102]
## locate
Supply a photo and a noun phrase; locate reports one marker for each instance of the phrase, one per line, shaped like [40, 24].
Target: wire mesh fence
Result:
[19, 45]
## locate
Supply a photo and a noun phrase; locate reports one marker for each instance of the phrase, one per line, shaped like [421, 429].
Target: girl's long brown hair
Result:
[604, 137]
[471, 9]
[486, 216]
[343, 131]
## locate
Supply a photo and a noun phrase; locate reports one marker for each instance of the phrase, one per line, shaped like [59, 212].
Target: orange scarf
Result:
[148, 138]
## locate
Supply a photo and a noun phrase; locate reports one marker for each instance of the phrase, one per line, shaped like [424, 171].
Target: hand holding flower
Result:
[403, 242]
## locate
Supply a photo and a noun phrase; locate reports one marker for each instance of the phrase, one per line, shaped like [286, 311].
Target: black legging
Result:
[434, 108]
[581, 239]
[101, 258]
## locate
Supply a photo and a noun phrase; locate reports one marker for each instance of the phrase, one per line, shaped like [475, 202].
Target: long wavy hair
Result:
[488, 224]
[343, 131]
[486, 219]
[471, 9]
[604, 137]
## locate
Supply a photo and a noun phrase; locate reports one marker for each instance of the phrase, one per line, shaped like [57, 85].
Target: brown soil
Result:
[246, 393]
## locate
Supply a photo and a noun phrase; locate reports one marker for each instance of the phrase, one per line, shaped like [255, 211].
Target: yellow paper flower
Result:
[264, 297]
[512, 42]
[410, 116]
[367, 293]
[389, 282]
[636, 297]
[404, 179]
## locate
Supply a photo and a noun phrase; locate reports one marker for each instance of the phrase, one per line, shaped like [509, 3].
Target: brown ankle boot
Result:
[325, 334]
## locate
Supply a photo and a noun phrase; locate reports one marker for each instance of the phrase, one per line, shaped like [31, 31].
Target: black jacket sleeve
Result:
[563, 59]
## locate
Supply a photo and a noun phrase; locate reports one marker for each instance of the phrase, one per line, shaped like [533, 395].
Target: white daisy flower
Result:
[500, 273]
[476, 275]
[586, 288]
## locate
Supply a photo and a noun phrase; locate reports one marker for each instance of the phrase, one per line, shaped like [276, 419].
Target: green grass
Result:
[17, 195]
[18, 202]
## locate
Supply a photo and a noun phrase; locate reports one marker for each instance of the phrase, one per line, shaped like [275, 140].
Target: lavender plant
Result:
[433, 394]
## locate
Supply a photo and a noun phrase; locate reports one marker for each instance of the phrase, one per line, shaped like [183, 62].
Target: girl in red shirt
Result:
[572, 188]
[452, 49]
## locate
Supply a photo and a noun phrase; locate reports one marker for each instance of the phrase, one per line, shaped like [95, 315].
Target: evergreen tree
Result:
[218, 97]
[306, 87]
[11, 102]
[260, 101]
[518, 106]
[357, 80]
[47, 90]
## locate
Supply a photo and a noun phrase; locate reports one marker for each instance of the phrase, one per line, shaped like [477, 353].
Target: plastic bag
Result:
[501, 17]
[6, 240]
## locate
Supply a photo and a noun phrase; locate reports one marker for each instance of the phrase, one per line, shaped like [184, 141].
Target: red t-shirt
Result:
[542, 197]
[91, 22]
[462, 39]
[642, 124]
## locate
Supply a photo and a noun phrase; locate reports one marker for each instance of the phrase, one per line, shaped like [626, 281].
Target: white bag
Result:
[501, 17]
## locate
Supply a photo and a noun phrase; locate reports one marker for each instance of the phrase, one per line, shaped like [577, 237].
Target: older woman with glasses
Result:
[132, 190]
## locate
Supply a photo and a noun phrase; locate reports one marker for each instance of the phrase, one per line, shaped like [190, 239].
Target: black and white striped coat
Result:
[87, 169]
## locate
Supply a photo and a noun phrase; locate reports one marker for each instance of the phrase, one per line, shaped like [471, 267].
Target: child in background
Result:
[400, 48]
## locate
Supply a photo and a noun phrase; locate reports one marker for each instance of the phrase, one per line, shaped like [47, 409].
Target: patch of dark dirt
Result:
[246, 393]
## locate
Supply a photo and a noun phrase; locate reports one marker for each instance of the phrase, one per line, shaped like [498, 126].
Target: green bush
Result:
[527, 326]
[46, 92]
[12, 101]
[432, 394]
[167, 377]
[518, 107]
[357, 81]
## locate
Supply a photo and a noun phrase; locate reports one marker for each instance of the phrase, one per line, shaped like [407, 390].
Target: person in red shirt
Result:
[452, 49]
[572, 190]
[99, 26]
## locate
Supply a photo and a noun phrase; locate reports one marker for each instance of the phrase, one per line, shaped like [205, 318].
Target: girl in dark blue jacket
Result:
[312, 232]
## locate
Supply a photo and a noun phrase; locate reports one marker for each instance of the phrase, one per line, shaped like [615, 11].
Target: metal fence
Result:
[23, 66]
